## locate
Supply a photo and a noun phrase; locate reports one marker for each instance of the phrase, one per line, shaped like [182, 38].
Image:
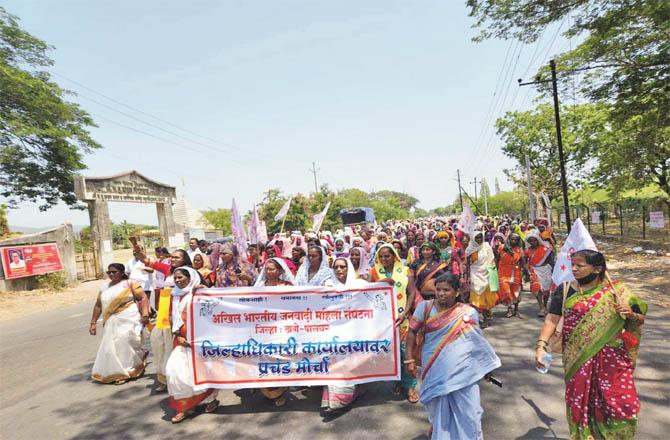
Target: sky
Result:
[226, 99]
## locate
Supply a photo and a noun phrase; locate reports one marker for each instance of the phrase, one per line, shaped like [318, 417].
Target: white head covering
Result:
[285, 276]
[534, 233]
[323, 274]
[364, 265]
[178, 293]
[351, 273]
[472, 244]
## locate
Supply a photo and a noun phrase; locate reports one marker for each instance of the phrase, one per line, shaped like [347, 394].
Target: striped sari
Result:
[456, 356]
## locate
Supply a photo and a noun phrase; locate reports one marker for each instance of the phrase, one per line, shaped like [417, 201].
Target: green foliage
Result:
[219, 219]
[53, 282]
[4, 223]
[386, 204]
[622, 60]
[586, 131]
[504, 202]
[43, 137]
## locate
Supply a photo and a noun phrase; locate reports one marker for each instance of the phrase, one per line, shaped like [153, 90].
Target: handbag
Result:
[494, 281]
[420, 336]
[555, 342]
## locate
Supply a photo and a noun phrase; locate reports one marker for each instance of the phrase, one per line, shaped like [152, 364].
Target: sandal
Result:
[212, 406]
[280, 401]
[161, 387]
[178, 418]
[412, 395]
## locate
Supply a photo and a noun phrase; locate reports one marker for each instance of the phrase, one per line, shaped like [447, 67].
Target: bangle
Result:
[409, 361]
[542, 340]
[94, 322]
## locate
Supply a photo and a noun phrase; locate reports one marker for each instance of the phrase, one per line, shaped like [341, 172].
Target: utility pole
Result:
[475, 182]
[460, 196]
[531, 205]
[486, 200]
[559, 138]
[314, 171]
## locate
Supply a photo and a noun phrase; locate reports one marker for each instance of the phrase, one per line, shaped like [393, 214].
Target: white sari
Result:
[179, 370]
[120, 355]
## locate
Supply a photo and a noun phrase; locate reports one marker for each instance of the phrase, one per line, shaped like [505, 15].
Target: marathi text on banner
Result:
[284, 336]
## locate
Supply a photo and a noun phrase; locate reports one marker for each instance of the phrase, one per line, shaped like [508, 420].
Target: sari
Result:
[179, 369]
[337, 397]
[425, 275]
[599, 353]
[399, 274]
[482, 262]
[456, 357]
[509, 273]
[120, 355]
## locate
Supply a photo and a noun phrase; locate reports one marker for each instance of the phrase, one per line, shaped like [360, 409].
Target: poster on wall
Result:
[656, 219]
[29, 260]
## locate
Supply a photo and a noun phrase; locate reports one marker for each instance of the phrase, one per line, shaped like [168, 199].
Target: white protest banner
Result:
[284, 210]
[318, 218]
[656, 220]
[595, 217]
[284, 336]
[467, 221]
[578, 239]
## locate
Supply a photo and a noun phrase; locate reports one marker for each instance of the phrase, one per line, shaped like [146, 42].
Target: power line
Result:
[171, 124]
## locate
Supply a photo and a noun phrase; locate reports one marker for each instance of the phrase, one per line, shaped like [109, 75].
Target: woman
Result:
[341, 248]
[444, 245]
[232, 271]
[208, 276]
[425, 270]
[482, 262]
[410, 242]
[339, 397]
[298, 255]
[397, 244]
[455, 357]
[509, 274]
[601, 338]
[275, 273]
[125, 311]
[388, 269]
[359, 259]
[539, 258]
[179, 370]
[414, 253]
[161, 338]
[315, 271]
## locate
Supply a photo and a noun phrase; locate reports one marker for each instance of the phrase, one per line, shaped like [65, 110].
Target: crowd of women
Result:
[446, 282]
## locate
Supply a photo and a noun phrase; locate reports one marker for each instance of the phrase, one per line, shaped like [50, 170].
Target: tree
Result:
[4, 223]
[219, 219]
[623, 60]
[533, 132]
[43, 137]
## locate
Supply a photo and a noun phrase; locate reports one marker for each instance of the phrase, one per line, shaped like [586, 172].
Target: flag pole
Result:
[283, 220]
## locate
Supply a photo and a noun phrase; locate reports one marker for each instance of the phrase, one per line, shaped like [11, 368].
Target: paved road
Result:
[46, 392]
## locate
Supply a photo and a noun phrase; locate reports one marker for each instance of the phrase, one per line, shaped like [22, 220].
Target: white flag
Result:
[238, 230]
[254, 227]
[578, 240]
[318, 218]
[467, 221]
[284, 210]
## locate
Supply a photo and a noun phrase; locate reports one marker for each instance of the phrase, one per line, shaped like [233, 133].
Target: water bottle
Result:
[546, 361]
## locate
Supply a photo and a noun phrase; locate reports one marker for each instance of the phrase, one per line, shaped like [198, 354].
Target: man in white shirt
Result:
[141, 274]
[194, 248]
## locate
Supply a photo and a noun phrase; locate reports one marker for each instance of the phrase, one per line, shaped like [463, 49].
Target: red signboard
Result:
[29, 260]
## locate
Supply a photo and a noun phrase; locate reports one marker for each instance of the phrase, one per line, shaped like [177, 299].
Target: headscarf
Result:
[534, 233]
[472, 245]
[285, 276]
[351, 273]
[265, 252]
[320, 277]
[364, 265]
[399, 272]
[433, 246]
[178, 293]
[345, 249]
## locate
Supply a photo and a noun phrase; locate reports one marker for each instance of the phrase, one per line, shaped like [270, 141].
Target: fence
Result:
[630, 219]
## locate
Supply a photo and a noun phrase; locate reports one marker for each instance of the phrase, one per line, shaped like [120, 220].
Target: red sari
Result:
[509, 274]
[599, 354]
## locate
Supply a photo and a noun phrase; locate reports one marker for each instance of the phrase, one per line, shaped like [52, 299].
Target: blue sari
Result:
[455, 356]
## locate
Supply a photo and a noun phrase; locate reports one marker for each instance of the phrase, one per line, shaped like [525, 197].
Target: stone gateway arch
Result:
[133, 187]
